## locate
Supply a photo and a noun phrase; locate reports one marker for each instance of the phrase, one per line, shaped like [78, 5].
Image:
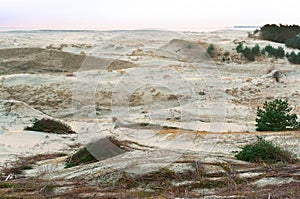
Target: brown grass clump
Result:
[50, 126]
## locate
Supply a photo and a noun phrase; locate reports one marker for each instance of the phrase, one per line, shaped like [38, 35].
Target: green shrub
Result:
[240, 48]
[263, 151]
[210, 49]
[280, 53]
[82, 156]
[247, 52]
[226, 54]
[269, 49]
[294, 58]
[256, 50]
[50, 126]
[251, 53]
[274, 116]
[274, 52]
[96, 151]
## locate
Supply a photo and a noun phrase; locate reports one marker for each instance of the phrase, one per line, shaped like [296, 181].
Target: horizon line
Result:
[203, 28]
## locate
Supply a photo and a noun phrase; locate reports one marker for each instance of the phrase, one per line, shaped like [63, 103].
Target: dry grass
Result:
[160, 184]
[23, 163]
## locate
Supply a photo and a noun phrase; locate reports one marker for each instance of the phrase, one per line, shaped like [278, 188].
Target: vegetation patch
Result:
[270, 51]
[293, 42]
[287, 34]
[293, 57]
[210, 49]
[5, 185]
[279, 33]
[50, 126]
[263, 151]
[102, 149]
[252, 53]
[274, 52]
[275, 116]
[159, 179]
[82, 156]
[26, 163]
[28, 188]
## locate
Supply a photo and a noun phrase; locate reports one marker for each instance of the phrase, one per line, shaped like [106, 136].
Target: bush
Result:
[101, 149]
[50, 126]
[226, 54]
[263, 151]
[275, 52]
[256, 50]
[240, 48]
[275, 117]
[247, 52]
[251, 53]
[210, 49]
[280, 52]
[294, 58]
[293, 42]
[82, 156]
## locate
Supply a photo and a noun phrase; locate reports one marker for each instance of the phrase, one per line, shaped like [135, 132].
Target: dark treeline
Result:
[287, 34]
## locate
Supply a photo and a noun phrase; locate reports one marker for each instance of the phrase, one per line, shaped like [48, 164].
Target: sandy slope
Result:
[148, 77]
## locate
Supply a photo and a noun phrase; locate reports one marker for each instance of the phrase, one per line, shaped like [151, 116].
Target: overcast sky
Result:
[137, 14]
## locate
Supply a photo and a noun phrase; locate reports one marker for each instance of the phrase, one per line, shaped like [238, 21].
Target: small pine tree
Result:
[210, 49]
[256, 50]
[280, 52]
[247, 52]
[294, 58]
[275, 117]
[240, 48]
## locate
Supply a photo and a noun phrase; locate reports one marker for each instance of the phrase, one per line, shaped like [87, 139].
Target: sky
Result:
[145, 14]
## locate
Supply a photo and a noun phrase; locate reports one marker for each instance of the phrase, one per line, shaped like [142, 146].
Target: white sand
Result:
[167, 79]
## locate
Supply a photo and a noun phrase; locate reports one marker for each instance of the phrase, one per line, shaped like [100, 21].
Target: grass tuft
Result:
[263, 151]
[50, 126]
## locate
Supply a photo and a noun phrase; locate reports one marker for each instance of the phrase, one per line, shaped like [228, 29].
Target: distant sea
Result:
[200, 29]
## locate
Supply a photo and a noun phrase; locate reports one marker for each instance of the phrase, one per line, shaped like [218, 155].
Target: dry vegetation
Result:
[165, 183]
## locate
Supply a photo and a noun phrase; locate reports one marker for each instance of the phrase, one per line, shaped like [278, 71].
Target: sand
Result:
[159, 78]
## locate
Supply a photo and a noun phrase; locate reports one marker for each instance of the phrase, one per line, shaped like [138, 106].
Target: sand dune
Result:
[174, 105]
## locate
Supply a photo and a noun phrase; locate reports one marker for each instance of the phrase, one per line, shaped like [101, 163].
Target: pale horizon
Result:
[133, 14]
